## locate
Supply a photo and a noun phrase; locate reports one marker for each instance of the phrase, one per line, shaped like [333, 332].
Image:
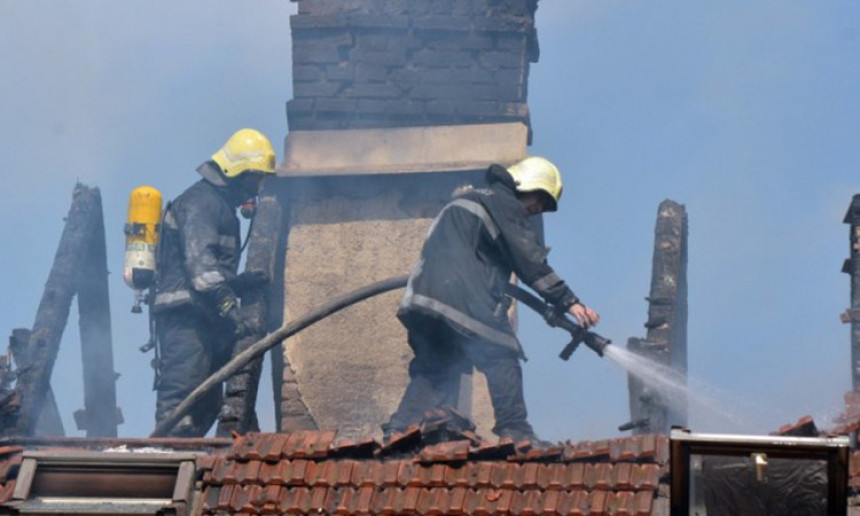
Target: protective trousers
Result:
[192, 348]
[442, 355]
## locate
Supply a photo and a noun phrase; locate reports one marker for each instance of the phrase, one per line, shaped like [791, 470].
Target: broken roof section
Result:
[314, 472]
[438, 467]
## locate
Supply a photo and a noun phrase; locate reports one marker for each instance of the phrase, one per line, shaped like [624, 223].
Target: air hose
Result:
[288, 330]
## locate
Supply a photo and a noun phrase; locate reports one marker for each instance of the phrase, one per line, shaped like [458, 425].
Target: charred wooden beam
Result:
[666, 338]
[49, 422]
[238, 410]
[53, 313]
[100, 415]
[852, 268]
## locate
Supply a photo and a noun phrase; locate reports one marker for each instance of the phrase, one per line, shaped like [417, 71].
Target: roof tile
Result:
[318, 498]
[527, 475]
[242, 496]
[482, 474]
[574, 476]
[456, 505]
[400, 441]
[248, 472]
[544, 454]
[431, 501]
[643, 503]
[410, 499]
[293, 443]
[297, 471]
[245, 447]
[623, 475]
[270, 449]
[342, 473]
[550, 502]
[389, 473]
[362, 448]
[315, 444]
[324, 474]
[621, 503]
[504, 501]
[459, 475]
[209, 498]
[629, 449]
[525, 503]
[269, 495]
[366, 473]
[599, 503]
[273, 473]
[503, 475]
[225, 498]
[205, 462]
[221, 469]
[388, 501]
[364, 500]
[450, 451]
[647, 476]
[550, 476]
[494, 451]
[574, 503]
[598, 476]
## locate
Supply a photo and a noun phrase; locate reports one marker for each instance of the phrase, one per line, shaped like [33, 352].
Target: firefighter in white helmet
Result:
[455, 310]
[198, 291]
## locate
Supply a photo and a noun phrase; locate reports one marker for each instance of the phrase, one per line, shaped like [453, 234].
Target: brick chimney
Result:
[396, 103]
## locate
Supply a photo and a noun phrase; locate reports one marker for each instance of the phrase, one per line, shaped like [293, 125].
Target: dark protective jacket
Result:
[474, 244]
[199, 248]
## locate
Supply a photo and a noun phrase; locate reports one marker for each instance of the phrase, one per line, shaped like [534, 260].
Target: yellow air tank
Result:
[142, 229]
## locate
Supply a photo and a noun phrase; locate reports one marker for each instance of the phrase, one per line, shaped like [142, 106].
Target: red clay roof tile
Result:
[574, 476]
[647, 477]
[643, 503]
[248, 472]
[599, 503]
[527, 476]
[363, 448]
[573, 502]
[410, 499]
[457, 501]
[623, 475]
[503, 475]
[621, 503]
[450, 451]
[550, 501]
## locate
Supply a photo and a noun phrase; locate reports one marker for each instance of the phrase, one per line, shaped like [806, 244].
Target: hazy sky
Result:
[748, 113]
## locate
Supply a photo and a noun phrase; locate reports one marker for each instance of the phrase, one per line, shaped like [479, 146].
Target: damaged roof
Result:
[431, 469]
[436, 468]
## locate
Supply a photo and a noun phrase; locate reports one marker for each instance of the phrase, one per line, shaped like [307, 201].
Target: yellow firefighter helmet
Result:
[248, 150]
[535, 174]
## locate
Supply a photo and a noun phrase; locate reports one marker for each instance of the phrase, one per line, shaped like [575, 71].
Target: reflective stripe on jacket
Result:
[199, 248]
[473, 246]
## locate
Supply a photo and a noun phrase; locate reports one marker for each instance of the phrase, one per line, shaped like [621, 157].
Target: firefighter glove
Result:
[248, 281]
[235, 323]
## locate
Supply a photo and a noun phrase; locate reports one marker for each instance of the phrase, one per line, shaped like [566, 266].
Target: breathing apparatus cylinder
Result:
[142, 229]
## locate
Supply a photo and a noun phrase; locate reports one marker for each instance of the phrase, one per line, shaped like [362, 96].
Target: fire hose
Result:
[578, 335]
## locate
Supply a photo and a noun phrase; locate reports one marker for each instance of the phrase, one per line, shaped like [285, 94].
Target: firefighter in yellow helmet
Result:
[198, 291]
[455, 310]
